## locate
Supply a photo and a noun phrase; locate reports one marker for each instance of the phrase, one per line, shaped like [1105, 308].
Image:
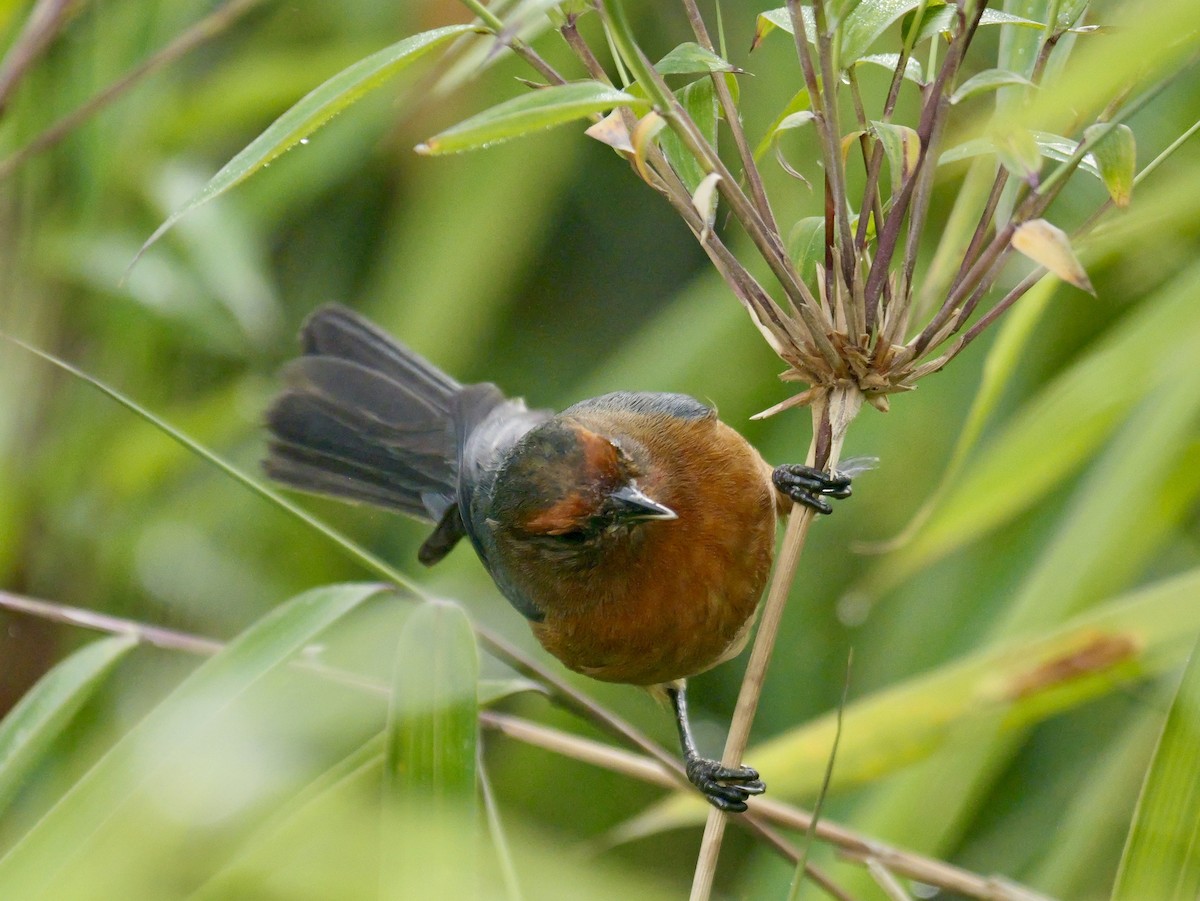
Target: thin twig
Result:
[45, 21]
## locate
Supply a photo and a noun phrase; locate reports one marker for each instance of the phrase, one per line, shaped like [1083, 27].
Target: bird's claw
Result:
[809, 486]
[726, 788]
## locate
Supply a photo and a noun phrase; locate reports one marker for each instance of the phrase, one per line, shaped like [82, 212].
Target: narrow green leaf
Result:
[1048, 245]
[800, 101]
[940, 20]
[1053, 434]
[493, 691]
[1019, 152]
[1160, 859]
[700, 101]
[1051, 146]
[912, 68]
[312, 112]
[429, 770]
[859, 30]
[1115, 154]
[528, 113]
[30, 728]
[90, 814]
[864, 26]
[987, 80]
[433, 721]
[780, 18]
[806, 246]
[903, 148]
[1018, 682]
[692, 59]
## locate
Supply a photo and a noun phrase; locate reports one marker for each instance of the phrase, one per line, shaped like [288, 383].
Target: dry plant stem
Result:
[45, 21]
[733, 120]
[834, 165]
[833, 410]
[765, 239]
[204, 30]
[890, 233]
[514, 43]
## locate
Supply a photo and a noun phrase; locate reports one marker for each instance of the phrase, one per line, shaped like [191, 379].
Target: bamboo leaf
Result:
[691, 59]
[1052, 146]
[987, 80]
[1049, 246]
[433, 720]
[1115, 154]
[31, 727]
[903, 148]
[700, 101]
[529, 113]
[912, 68]
[1017, 682]
[806, 246]
[1160, 859]
[1019, 153]
[310, 113]
[429, 770]
[73, 830]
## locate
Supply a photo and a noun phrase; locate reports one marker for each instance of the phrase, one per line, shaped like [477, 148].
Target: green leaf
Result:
[799, 103]
[434, 713]
[987, 80]
[528, 113]
[940, 20]
[864, 26]
[780, 18]
[912, 68]
[692, 59]
[1050, 437]
[31, 727]
[859, 30]
[1160, 859]
[700, 101]
[429, 768]
[312, 112]
[1018, 682]
[903, 148]
[1115, 154]
[1019, 152]
[1054, 147]
[90, 814]
[806, 246]
[493, 691]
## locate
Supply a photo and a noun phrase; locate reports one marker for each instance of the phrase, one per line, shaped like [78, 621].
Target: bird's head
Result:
[566, 488]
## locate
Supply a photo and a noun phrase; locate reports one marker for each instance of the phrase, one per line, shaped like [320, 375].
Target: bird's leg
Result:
[709, 775]
[809, 486]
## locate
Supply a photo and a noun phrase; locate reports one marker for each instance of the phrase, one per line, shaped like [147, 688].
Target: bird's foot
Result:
[809, 486]
[726, 788]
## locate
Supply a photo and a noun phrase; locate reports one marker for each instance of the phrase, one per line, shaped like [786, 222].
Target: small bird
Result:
[634, 531]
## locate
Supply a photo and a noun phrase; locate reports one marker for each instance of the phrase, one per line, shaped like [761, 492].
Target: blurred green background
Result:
[543, 266]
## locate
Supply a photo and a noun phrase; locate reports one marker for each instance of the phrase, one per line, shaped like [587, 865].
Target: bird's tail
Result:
[364, 418]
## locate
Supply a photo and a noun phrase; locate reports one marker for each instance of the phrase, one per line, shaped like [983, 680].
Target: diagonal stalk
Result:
[833, 410]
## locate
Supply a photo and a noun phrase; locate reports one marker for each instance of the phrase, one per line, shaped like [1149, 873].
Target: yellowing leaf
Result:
[1049, 246]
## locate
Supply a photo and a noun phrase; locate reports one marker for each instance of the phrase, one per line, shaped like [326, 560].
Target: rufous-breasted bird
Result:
[634, 531]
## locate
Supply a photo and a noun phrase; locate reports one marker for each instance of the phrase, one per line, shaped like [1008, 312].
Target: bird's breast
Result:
[672, 598]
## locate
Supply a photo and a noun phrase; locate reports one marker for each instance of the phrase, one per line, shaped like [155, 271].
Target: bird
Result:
[634, 531]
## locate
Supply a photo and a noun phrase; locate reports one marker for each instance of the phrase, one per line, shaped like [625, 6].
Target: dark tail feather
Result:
[366, 419]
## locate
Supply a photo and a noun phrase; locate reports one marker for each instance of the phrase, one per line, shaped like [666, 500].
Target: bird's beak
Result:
[635, 505]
